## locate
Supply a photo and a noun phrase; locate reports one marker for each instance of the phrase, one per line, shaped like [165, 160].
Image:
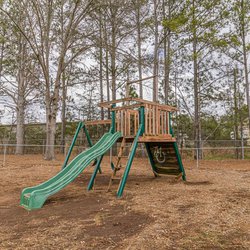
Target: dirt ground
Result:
[209, 211]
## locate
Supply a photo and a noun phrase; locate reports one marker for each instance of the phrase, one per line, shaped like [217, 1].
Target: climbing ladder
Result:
[118, 164]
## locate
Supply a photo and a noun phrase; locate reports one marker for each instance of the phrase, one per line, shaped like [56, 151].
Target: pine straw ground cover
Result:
[210, 211]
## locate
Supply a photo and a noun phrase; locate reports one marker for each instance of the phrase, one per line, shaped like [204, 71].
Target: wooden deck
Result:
[143, 139]
[167, 138]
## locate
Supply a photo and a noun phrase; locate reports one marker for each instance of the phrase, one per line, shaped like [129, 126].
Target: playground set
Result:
[133, 120]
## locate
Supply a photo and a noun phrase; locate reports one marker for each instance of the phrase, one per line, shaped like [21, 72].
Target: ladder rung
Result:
[115, 178]
[117, 168]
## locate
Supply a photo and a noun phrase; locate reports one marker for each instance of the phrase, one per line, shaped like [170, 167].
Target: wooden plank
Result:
[162, 121]
[122, 123]
[129, 123]
[150, 120]
[97, 122]
[146, 120]
[159, 132]
[125, 123]
[163, 106]
[159, 122]
[168, 123]
[126, 107]
[156, 120]
[135, 123]
[153, 120]
[166, 138]
[118, 121]
[133, 111]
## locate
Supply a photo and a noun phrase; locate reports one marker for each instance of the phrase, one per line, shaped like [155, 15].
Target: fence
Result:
[188, 153]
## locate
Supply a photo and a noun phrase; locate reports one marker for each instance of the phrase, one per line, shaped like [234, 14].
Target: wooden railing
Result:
[127, 121]
[127, 117]
[156, 121]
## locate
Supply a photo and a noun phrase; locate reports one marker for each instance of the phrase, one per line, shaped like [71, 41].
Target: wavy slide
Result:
[34, 197]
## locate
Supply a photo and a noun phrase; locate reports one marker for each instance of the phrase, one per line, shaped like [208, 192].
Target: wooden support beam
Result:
[140, 80]
[97, 122]
[165, 138]
[127, 107]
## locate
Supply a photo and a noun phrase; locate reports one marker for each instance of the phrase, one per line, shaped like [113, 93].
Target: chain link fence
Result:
[216, 150]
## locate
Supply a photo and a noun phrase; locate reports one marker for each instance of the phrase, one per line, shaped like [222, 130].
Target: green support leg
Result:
[80, 126]
[177, 151]
[97, 168]
[180, 161]
[87, 135]
[150, 156]
[127, 169]
[90, 144]
[112, 128]
[132, 153]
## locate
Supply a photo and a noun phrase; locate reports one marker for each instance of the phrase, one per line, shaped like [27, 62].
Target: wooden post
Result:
[129, 128]
[146, 119]
[150, 120]
[162, 123]
[135, 120]
[168, 131]
[118, 121]
[153, 112]
[156, 120]
[122, 123]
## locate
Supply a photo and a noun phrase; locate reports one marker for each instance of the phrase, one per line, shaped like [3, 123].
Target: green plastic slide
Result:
[34, 197]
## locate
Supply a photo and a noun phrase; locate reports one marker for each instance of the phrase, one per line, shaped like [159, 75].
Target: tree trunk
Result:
[156, 61]
[247, 82]
[245, 61]
[113, 55]
[236, 115]
[197, 121]
[51, 112]
[20, 109]
[20, 118]
[101, 65]
[1, 59]
[63, 114]
[138, 23]
[107, 63]
[167, 53]
[50, 136]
